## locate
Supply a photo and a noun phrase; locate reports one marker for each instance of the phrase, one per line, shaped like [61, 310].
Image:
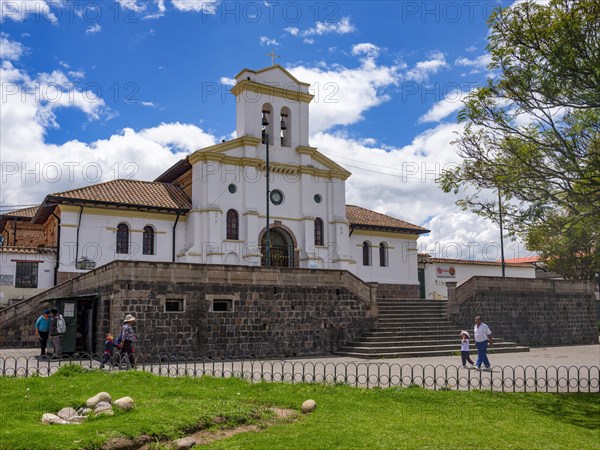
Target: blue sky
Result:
[95, 90]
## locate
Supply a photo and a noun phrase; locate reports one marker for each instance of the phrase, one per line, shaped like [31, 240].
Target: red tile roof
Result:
[28, 250]
[136, 193]
[365, 218]
[26, 212]
[474, 262]
[523, 260]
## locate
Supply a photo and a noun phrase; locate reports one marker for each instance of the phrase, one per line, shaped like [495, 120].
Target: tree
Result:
[533, 132]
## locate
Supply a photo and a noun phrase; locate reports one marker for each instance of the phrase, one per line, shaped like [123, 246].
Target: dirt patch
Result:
[204, 437]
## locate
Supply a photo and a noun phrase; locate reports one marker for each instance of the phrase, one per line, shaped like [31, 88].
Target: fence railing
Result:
[360, 374]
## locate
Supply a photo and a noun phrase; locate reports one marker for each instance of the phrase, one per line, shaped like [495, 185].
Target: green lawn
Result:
[346, 417]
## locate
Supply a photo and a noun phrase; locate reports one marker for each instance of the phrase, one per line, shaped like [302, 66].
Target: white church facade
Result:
[213, 207]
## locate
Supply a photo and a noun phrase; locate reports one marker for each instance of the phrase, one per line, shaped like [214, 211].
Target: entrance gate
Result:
[282, 248]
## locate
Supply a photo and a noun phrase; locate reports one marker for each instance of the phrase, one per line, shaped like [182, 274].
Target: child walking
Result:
[109, 347]
[464, 348]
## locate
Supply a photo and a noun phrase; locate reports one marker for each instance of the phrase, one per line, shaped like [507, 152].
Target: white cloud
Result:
[343, 94]
[421, 71]
[227, 81]
[400, 182]
[321, 28]
[342, 27]
[76, 74]
[481, 61]
[204, 6]
[10, 50]
[33, 168]
[93, 29]
[471, 49]
[264, 40]
[132, 5]
[19, 10]
[442, 109]
[148, 104]
[366, 48]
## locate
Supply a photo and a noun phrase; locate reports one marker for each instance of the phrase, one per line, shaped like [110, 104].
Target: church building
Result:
[265, 198]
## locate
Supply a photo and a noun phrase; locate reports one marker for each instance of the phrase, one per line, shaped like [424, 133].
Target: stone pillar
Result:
[452, 305]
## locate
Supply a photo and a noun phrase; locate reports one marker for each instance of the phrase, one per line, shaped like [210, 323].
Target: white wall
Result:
[8, 270]
[97, 236]
[435, 285]
[402, 267]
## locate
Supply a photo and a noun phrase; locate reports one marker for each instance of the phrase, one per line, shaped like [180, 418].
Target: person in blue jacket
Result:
[42, 329]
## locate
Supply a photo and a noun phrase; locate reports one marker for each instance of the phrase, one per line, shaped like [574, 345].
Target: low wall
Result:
[272, 312]
[527, 311]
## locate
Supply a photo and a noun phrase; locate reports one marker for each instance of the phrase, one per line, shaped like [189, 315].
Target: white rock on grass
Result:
[77, 419]
[53, 419]
[185, 443]
[124, 403]
[103, 407]
[100, 397]
[309, 406]
[84, 411]
[67, 413]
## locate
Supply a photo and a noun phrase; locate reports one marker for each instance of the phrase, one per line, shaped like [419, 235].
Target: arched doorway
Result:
[282, 248]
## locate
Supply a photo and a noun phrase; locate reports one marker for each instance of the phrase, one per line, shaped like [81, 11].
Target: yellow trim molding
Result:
[271, 91]
[274, 66]
[124, 213]
[388, 234]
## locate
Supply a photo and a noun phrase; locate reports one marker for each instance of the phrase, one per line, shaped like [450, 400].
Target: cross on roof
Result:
[273, 56]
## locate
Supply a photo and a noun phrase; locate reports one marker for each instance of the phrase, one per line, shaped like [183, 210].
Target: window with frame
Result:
[122, 238]
[174, 305]
[148, 241]
[232, 224]
[26, 275]
[383, 254]
[318, 231]
[366, 253]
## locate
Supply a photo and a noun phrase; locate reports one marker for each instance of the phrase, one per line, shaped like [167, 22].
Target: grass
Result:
[346, 417]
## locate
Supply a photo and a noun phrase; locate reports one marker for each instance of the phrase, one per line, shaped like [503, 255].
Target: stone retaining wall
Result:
[274, 312]
[527, 311]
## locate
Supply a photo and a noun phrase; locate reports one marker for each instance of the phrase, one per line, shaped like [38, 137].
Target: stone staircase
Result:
[414, 327]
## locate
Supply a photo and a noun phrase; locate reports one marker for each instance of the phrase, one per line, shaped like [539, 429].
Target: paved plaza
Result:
[544, 369]
[578, 355]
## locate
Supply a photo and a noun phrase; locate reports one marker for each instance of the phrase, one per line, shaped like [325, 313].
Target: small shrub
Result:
[69, 370]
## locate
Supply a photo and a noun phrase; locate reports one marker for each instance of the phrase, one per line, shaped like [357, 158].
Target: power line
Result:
[379, 172]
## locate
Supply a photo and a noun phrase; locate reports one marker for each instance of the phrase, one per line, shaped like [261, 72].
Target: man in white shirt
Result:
[482, 333]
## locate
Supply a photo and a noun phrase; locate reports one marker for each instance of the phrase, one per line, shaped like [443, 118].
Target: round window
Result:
[318, 198]
[277, 197]
[232, 188]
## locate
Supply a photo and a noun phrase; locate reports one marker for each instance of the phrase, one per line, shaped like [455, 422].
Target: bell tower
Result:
[272, 98]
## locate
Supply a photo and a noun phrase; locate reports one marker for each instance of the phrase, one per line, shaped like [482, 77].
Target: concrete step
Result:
[441, 327]
[411, 303]
[413, 327]
[416, 309]
[419, 353]
[414, 346]
[411, 316]
[441, 338]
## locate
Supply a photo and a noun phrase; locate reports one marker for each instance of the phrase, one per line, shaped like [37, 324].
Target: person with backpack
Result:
[58, 327]
[42, 328]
